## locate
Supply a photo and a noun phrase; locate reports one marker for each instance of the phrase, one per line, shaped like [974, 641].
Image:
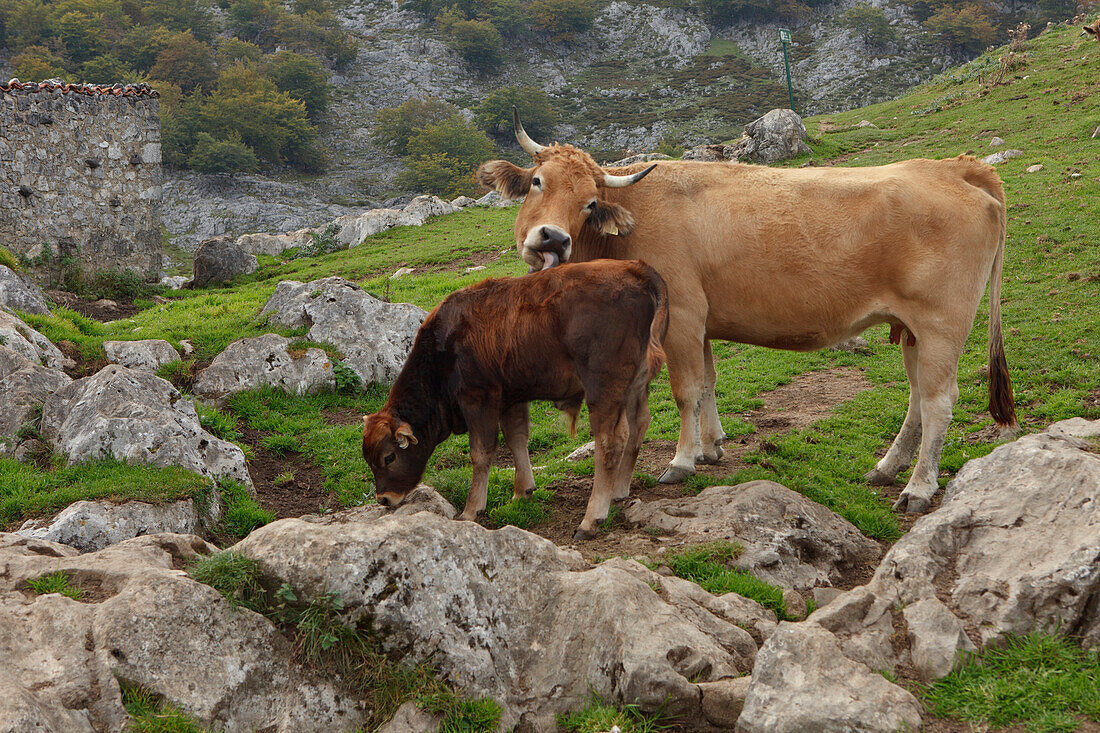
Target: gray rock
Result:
[802, 682]
[996, 142]
[497, 612]
[462, 202]
[24, 386]
[219, 260]
[421, 208]
[19, 337]
[936, 637]
[92, 525]
[788, 539]
[1034, 168]
[265, 361]
[136, 416]
[854, 345]
[148, 623]
[174, 282]
[776, 136]
[639, 158]
[866, 123]
[711, 153]
[20, 293]
[494, 199]
[22, 710]
[409, 718]
[274, 244]
[1001, 156]
[374, 336]
[147, 354]
[352, 229]
[585, 451]
[421, 499]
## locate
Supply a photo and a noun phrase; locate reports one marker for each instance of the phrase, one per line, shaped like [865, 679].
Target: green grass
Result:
[598, 716]
[709, 566]
[150, 713]
[234, 576]
[1043, 683]
[55, 583]
[241, 512]
[459, 714]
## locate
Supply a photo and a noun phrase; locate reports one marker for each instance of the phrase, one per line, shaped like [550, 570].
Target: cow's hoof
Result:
[675, 474]
[583, 534]
[911, 504]
[876, 477]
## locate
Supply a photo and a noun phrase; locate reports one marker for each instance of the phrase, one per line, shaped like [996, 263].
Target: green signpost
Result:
[785, 37]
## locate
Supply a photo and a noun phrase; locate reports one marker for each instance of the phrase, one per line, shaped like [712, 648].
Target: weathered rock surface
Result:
[20, 293]
[24, 385]
[409, 718]
[149, 624]
[711, 153]
[789, 540]
[92, 525]
[374, 336]
[776, 136]
[265, 361]
[136, 416]
[18, 336]
[421, 499]
[1002, 155]
[218, 260]
[639, 158]
[497, 612]
[274, 244]
[352, 229]
[147, 354]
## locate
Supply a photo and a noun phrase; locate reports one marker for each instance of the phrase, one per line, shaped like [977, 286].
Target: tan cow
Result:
[791, 259]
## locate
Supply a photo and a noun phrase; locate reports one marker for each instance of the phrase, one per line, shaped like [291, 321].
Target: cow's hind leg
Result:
[515, 424]
[609, 425]
[937, 370]
[638, 419]
[684, 349]
[905, 444]
[711, 426]
[483, 424]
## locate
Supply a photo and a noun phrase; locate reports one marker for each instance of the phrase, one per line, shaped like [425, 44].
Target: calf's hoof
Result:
[523, 493]
[909, 503]
[468, 516]
[675, 474]
[876, 477]
[583, 534]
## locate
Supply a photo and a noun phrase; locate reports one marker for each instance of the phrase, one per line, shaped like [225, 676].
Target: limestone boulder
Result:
[136, 416]
[374, 336]
[274, 244]
[776, 136]
[422, 208]
[498, 611]
[147, 355]
[352, 229]
[144, 621]
[266, 361]
[421, 499]
[1002, 156]
[19, 337]
[711, 153]
[219, 260]
[24, 386]
[20, 293]
[92, 525]
[789, 540]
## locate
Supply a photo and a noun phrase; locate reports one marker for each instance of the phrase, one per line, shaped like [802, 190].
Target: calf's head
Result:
[395, 456]
[563, 194]
[1092, 30]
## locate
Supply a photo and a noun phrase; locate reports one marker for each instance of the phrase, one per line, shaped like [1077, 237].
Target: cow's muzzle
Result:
[546, 246]
[389, 499]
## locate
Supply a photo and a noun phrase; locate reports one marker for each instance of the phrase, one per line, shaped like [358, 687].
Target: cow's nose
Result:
[553, 237]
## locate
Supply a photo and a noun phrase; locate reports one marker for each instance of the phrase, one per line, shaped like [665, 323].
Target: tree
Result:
[443, 157]
[142, 43]
[869, 23]
[395, 126]
[968, 28]
[477, 41]
[235, 51]
[302, 77]
[254, 20]
[38, 63]
[186, 61]
[108, 69]
[494, 114]
[563, 18]
[222, 156]
[27, 23]
[319, 33]
[82, 35]
[181, 15]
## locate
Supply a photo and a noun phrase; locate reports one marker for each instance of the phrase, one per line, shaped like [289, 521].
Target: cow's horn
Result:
[623, 181]
[525, 141]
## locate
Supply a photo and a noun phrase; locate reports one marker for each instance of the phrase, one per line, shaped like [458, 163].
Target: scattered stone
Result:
[639, 158]
[352, 229]
[935, 638]
[1075, 176]
[776, 136]
[1034, 168]
[147, 355]
[421, 499]
[402, 272]
[187, 347]
[585, 451]
[1096, 132]
[422, 208]
[21, 338]
[274, 244]
[794, 604]
[866, 123]
[136, 416]
[265, 361]
[475, 268]
[854, 345]
[996, 142]
[463, 201]
[20, 293]
[1001, 156]
[92, 525]
[788, 539]
[174, 282]
[374, 336]
[219, 260]
[24, 386]
[722, 701]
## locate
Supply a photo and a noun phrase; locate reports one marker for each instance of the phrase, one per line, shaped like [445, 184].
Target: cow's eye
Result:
[389, 459]
[536, 182]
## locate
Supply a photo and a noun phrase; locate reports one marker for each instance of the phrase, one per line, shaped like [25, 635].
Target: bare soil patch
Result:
[302, 492]
[102, 309]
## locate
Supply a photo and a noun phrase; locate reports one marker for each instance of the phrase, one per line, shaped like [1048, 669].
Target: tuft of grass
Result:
[219, 424]
[279, 443]
[56, 582]
[1042, 682]
[181, 374]
[461, 715]
[599, 715]
[709, 566]
[242, 513]
[149, 713]
[8, 260]
[234, 575]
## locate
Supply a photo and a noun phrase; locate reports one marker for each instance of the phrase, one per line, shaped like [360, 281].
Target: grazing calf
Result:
[587, 332]
[1092, 30]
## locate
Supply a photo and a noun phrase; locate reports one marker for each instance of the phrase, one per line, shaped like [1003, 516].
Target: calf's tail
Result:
[1002, 404]
[655, 353]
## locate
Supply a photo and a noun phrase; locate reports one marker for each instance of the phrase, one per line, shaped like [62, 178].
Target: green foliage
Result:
[38, 63]
[108, 69]
[57, 582]
[280, 444]
[302, 77]
[185, 61]
[396, 126]
[494, 113]
[478, 42]
[242, 513]
[347, 379]
[8, 260]
[709, 565]
[461, 715]
[443, 157]
[1041, 682]
[219, 424]
[222, 156]
[234, 575]
[150, 713]
[598, 716]
[968, 28]
[870, 23]
[319, 33]
[563, 18]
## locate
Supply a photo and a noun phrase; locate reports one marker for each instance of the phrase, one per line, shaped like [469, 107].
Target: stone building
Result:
[80, 178]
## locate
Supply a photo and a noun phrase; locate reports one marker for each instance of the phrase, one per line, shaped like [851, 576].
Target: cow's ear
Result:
[611, 219]
[403, 436]
[510, 181]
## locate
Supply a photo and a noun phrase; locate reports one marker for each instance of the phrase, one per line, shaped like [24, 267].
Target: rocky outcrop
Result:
[776, 136]
[219, 260]
[352, 229]
[266, 361]
[136, 416]
[92, 525]
[24, 386]
[788, 539]
[374, 336]
[497, 613]
[147, 355]
[711, 153]
[20, 293]
[1014, 548]
[148, 624]
[21, 338]
[274, 244]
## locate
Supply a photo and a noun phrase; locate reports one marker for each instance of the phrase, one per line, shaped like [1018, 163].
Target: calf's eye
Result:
[389, 459]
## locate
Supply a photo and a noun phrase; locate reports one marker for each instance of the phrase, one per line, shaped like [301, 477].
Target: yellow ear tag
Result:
[614, 231]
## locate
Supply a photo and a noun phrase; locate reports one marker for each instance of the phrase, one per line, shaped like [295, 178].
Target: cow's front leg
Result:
[711, 426]
[483, 422]
[609, 425]
[515, 424]
[684, 349]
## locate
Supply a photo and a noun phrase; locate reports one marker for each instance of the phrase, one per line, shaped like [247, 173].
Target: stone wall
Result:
[80, 177]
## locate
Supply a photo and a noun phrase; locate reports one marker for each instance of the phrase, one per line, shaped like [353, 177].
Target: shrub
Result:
[968, 28]
[443, 156]
[254, 20]
[395, 126]
[317, 32]
[185, 61]
[477, 41]
[494, 113]
[302, 77]
[222, 156]
[870, 24]
[563, 18]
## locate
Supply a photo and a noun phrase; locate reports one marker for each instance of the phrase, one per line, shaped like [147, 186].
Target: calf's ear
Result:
[611, 219]
[510, 181]
[403, 436]
[1090, 29]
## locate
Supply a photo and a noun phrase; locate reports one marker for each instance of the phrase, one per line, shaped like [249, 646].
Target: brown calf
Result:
[1092, 30]
[588, 332]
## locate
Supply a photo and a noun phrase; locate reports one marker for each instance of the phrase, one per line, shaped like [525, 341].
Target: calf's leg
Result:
[638, 418]
[515, 424]
[908, 438]
[483, 425]
[609, 425]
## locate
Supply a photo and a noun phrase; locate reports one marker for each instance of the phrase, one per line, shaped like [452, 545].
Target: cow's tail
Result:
[1002, 405]
[655, 353]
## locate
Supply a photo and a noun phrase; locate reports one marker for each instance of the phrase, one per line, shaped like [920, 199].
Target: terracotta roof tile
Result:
[56, 85]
